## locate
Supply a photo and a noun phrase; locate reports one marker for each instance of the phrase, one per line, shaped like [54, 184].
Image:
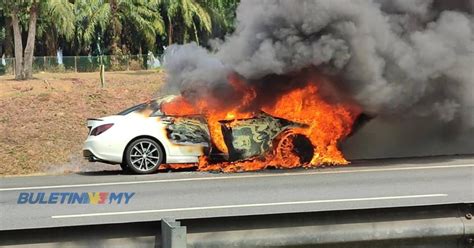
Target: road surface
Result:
[190, 195]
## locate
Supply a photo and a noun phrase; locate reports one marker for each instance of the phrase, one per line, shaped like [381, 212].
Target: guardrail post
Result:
[173, 235]
[468, 221]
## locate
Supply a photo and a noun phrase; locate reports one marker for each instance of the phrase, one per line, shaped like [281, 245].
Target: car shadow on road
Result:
[120, 172]
[100, 173]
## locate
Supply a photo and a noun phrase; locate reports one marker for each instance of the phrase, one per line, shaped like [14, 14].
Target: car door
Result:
[247, 138]
[187, 130]
[183, 136]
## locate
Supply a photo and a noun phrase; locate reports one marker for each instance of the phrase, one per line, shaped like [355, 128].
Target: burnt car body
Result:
[143, 137]
[244, 138]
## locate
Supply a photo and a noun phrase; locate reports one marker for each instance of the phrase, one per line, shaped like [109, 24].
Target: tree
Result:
[120, 26]
[56, 21]
[191, 14]
[91, 21]
[114, 21]
[2, 30]
[222, 14]
[27, 12]
[8, 40]
[142, 17]
[23, 57]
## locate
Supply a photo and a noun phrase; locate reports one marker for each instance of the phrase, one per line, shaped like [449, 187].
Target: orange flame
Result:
[328, 123]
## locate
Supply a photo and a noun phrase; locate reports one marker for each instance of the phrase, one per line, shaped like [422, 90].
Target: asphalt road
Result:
[189, 195]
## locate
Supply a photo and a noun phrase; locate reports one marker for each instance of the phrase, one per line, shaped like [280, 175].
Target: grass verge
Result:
[43, 121]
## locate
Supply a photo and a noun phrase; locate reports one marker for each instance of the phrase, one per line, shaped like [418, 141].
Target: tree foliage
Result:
[138, 17]
[91, 21]
[191, 14]
[117, 26]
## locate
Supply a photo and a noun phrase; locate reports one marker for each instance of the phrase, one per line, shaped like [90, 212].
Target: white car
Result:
[142, 138]
[136, 138]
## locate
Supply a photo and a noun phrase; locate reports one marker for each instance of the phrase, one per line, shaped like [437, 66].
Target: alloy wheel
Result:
[145, 156]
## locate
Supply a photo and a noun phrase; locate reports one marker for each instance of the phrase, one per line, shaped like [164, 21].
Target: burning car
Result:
[145, 138]
[295, 127]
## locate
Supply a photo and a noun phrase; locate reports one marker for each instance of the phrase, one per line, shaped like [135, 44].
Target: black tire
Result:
[143, 156]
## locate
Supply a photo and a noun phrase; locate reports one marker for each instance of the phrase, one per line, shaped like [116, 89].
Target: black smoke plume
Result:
[399, 59]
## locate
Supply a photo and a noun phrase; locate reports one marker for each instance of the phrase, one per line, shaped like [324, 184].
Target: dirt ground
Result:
[43, 121]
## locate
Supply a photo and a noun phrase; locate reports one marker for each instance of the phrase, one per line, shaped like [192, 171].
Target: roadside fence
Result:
[85, 63]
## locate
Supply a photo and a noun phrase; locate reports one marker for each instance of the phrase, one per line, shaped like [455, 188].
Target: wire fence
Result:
[85, 63]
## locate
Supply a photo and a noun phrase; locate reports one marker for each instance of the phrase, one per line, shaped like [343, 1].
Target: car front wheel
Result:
[144, 156]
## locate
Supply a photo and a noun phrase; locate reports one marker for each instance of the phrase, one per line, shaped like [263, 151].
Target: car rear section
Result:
[103, 143]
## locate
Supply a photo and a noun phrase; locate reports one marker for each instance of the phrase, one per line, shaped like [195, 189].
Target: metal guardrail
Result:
[425, 226]
[446, 226]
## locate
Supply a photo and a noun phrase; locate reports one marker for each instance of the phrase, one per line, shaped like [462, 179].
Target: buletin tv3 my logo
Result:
[75, 197]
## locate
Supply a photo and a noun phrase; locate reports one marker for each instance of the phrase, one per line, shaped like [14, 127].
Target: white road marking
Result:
[248, 205]
[307, 173]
